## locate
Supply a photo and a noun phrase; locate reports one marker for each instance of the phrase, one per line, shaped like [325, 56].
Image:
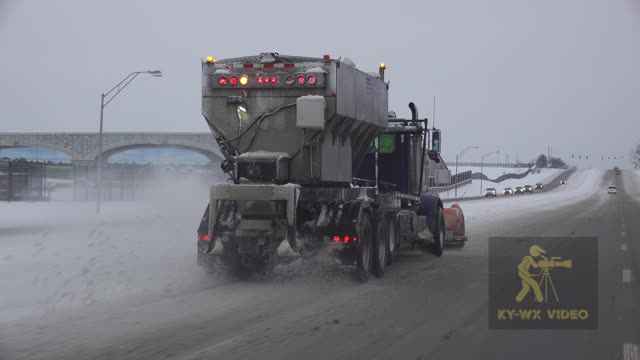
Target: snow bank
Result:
[631, 182]
[581, 185]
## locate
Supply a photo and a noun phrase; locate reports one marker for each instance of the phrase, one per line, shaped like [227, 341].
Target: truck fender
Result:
[429, 205]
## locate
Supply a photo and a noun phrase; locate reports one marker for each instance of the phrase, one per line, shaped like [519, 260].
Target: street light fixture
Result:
[458, 156]
[109, 96]
[482, 166]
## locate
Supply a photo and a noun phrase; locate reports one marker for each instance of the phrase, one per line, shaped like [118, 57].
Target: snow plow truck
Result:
[316, 159]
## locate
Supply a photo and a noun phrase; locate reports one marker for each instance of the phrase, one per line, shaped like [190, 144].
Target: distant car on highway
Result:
[563, 182]
[528, 188]
[612, 190]
[507, 191]
[519, 190]
[539, 186]
[490, 192]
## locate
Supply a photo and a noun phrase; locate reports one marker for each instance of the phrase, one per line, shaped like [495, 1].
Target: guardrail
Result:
[477, 164]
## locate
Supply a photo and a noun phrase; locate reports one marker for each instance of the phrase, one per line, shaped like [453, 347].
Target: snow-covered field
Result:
[59, 256]
[473, 189]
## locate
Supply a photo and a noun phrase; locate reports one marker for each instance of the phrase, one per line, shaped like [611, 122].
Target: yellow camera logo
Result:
[541, 281]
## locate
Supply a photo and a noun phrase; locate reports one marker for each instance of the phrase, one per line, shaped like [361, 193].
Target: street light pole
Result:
[118, 88]
[99, 167]
[482, 166]
[458, 156]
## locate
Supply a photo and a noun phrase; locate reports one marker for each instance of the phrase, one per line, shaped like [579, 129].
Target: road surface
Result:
[135, 294]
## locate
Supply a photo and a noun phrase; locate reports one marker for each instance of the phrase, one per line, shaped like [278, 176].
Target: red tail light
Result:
[260, 80]
[223, 81]
[199, 237]
[267, 80]
[274, 79]
[301, 80]
[233, 80]
[206, 237]
[312, 80]
[345, 239]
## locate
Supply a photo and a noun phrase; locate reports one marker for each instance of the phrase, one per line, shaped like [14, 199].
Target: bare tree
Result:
[635, 156]
[557, 163]
[542, 161]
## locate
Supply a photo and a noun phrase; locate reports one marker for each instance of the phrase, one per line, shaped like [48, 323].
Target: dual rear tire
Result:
[378, 243]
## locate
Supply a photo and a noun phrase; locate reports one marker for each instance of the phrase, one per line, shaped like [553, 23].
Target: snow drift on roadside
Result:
[473, 189]
[581, 185]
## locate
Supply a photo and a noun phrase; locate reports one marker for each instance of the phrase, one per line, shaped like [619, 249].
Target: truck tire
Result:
[438, 233]
[381, 247]
[394, 239]
[364, 253]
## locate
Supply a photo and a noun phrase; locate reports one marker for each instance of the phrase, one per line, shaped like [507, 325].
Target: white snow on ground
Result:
[490, 172]
[489, 212]
[473, 189]
[58, 255]
[631, 181]
[61, 256]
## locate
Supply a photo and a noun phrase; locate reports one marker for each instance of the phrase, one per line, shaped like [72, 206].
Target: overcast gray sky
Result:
[509, 75]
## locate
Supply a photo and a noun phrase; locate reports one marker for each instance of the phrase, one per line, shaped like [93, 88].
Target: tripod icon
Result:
[545, 283]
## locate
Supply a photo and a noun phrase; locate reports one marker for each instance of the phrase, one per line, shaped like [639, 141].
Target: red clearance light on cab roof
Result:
[312, 79]
[289, 80]
[233, 80]
[301, 80]
[222, 81]
[326, 58]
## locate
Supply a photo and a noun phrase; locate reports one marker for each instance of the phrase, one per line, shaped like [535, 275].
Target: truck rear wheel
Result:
[438, 233]
[364, 254]
[394, 239]
[381, 247]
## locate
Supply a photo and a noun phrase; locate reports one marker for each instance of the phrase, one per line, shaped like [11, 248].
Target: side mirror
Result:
[433, 155]
[435, 140]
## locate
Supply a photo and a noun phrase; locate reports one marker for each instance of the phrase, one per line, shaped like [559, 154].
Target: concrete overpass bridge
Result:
[83, 147]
